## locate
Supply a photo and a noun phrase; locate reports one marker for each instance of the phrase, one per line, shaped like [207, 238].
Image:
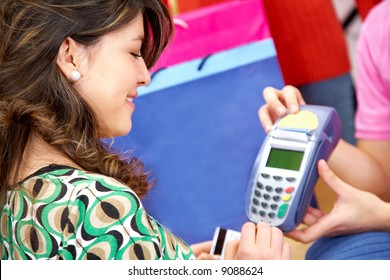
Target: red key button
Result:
[290, 190]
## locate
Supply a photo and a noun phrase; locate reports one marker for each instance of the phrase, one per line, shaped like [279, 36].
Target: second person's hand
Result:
[278, 103]
[354, 211]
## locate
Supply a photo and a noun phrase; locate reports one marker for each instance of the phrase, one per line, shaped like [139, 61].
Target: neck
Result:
[39, 154]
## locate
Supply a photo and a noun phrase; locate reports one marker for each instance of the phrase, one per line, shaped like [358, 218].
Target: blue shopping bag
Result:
[196, 126]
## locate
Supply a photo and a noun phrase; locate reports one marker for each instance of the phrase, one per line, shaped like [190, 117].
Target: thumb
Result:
[331, 179]
[231, 250]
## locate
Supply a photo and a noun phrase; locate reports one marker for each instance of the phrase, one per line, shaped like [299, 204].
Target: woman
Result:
[69, 71]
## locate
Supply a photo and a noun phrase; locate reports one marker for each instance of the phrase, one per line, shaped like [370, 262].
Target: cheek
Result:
[99, 90]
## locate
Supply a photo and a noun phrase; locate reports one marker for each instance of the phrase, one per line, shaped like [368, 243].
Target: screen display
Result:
[285, 159]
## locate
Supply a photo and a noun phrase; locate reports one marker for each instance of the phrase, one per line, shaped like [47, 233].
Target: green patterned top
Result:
[63, 213]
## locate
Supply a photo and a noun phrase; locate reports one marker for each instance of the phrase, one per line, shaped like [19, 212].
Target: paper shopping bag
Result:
[214, 28]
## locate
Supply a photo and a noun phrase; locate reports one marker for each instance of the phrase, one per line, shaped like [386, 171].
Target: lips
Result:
[129, 99]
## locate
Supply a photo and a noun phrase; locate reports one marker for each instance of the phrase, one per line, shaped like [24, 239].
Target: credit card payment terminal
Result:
[285, 171]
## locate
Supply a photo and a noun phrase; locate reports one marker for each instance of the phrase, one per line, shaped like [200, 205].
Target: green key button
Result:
[282, 210]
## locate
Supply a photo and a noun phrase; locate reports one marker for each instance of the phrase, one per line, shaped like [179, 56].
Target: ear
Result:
[69, 56]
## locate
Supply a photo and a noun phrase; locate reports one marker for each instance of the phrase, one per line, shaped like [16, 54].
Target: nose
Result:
[144, 78]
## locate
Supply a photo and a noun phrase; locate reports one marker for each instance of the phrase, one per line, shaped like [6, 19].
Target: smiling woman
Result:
[66, 79]
[111, 72]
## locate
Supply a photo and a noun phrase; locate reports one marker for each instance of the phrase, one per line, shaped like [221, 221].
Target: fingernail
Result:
[280, 111]
[268, 128]
[324, 164]
[294, 108]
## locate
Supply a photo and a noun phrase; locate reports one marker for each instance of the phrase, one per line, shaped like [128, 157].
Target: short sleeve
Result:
[372, 82]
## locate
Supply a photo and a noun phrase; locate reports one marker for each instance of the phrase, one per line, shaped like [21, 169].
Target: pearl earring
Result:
[75, 75]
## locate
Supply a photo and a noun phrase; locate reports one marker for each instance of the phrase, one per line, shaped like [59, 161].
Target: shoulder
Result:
[82, 192]
[95, 189]
[377, 23]
[373, 47]
[381, 10]
[77, 181]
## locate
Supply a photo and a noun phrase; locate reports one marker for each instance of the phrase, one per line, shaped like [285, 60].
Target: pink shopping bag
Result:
[211, 29]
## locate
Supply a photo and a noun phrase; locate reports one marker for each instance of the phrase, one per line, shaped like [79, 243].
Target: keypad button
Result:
[254, 210]
[274, 206]
[264, 205]
[290, 190]
[291, 179]
[262, 213]
[257, 193]
[277, 178]
[259, 185]
[269, 188]
[265, 175]
[255, 201]
[282, 210]
[276, 198]
[267, 196]
[271, 215]
[286, 197]
[279, 190]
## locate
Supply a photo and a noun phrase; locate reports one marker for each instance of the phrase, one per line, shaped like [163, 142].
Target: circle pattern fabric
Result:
[63, 213]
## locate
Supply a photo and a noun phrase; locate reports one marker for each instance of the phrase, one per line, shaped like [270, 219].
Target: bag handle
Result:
[173, 6]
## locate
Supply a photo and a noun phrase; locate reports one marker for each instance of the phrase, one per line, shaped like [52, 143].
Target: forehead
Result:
[132, 31]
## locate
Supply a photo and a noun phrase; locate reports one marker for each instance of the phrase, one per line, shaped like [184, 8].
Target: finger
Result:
[331, 179]
[313, 232]
[312, 216]
[293, 98]
[248, 234]
[286, 252]
[203, 247]
[299, 235]
[304, 236]
[263, 235]
[315, 212]
[231, 250]
[277, 239]
[265, 118]
[205, 256]
[275, 99]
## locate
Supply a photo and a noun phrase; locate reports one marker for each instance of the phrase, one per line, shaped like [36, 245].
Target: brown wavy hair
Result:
[35, 97]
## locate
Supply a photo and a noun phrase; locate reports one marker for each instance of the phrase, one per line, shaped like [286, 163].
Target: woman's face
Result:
[111, 76]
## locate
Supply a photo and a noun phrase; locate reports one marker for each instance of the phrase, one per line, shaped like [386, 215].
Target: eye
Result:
[136, 55]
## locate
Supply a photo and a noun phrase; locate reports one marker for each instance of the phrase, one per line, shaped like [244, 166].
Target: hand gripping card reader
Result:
[285, 170]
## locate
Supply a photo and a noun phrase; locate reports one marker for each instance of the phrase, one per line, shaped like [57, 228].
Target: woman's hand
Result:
[202, 251]
[258, 242]
[354, 211]
[278, 103]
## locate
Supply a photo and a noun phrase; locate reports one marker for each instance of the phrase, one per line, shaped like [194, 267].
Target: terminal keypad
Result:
[272, 196]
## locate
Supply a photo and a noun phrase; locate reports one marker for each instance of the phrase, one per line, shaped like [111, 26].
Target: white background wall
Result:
[343, 8]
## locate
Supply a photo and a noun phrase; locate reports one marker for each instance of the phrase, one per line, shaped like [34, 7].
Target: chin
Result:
[116, 133]
[124, 131]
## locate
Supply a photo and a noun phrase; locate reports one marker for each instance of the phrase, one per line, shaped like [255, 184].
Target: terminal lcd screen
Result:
[285, 159]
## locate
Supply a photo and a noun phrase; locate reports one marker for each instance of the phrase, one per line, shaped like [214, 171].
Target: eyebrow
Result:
[138, 38]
